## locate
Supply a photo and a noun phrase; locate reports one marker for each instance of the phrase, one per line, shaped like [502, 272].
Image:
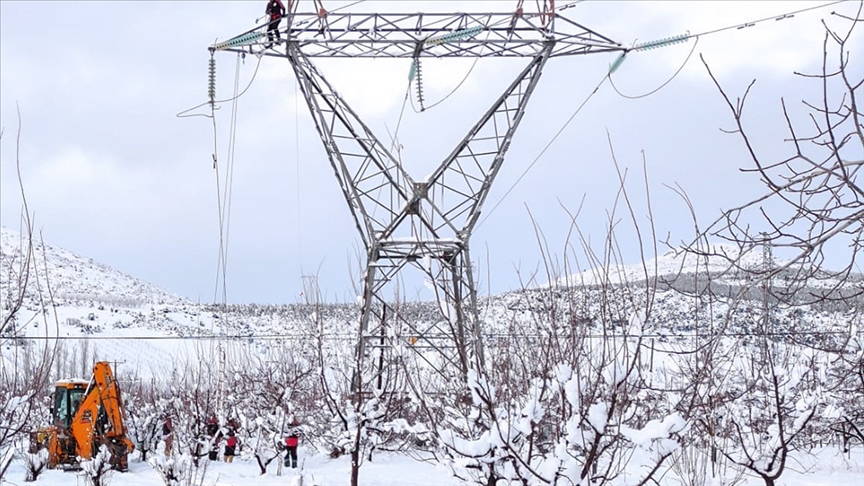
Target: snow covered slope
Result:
[72, 278]
[93, 301]
[670, 263]
[134, 321]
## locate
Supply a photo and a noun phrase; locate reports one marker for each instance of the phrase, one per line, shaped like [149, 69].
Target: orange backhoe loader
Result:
[85, 416]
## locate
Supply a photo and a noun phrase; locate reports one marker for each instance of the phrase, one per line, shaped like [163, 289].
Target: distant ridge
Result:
[129, 319]
[669, 264]
[73, 278]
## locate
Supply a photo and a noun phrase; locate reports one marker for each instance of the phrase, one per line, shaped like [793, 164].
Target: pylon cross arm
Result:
[434, 35]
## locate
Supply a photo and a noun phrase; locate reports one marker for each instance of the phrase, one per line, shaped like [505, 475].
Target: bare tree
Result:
[815, 192]
[769, 403]
[362, 393]
[23, 375]
[813, 209]
[143, 417]
[276, 384]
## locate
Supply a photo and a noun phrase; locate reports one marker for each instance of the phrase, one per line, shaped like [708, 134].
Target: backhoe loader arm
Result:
[85, 416]
[109, 395]
[99, 419]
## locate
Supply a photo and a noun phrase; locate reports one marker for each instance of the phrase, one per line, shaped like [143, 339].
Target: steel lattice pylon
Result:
[428, 223]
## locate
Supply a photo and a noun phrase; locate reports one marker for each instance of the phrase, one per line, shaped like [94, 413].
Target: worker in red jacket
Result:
[230, 447]
[275, 11]
[291, 445]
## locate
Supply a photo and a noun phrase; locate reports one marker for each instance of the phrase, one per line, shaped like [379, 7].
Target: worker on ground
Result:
[291, 445]
[215, 436]
[275, 11]
[231, 444]
[167, 434]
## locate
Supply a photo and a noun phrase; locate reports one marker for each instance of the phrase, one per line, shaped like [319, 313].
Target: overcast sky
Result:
[112, 173]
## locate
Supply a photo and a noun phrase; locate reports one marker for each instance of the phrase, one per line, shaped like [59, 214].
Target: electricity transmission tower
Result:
[404, 221]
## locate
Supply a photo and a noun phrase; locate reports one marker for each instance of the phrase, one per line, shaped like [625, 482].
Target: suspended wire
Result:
[346, 6]
[773, 17]
[672, 336]
[223, 194]
[229, 187]
[608, 76]
[612, 82]
[218, 192]
[549, 144]
[299, 185]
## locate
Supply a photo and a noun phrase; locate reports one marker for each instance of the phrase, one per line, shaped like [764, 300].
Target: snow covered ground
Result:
[317, 470]
[828, 467]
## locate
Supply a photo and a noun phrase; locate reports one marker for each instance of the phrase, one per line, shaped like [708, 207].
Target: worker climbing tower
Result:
[403, 221]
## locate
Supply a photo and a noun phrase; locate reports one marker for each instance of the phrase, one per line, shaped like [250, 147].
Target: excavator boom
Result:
[86, 417]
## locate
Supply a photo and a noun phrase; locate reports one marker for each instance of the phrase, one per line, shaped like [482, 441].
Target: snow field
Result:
[827, 467]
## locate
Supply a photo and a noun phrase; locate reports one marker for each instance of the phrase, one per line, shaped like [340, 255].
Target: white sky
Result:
[111, 173]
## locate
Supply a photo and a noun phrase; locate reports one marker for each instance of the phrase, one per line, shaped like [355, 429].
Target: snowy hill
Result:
[136, 321]
[672, 263]
[75, 278]
[91, 300]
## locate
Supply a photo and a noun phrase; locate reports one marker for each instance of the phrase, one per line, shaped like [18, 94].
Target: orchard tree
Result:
[25, 368]
[813, 209]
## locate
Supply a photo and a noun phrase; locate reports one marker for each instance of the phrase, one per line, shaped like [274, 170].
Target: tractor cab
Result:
[68, 395]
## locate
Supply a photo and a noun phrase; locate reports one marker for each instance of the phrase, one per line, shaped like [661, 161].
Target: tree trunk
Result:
[355, 465]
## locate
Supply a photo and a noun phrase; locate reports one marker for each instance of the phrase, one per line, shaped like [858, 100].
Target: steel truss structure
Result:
[426, 224]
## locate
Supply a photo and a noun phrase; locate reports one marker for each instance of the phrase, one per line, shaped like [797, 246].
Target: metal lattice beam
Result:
[398, 35]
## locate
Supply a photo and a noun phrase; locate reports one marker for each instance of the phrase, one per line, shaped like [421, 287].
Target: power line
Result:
[609, 76]
[773, 17]
[549, 144]
[352, 336]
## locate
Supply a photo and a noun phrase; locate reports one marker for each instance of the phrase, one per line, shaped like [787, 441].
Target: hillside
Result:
[73, 278]
[92, 300]
[95, 301]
